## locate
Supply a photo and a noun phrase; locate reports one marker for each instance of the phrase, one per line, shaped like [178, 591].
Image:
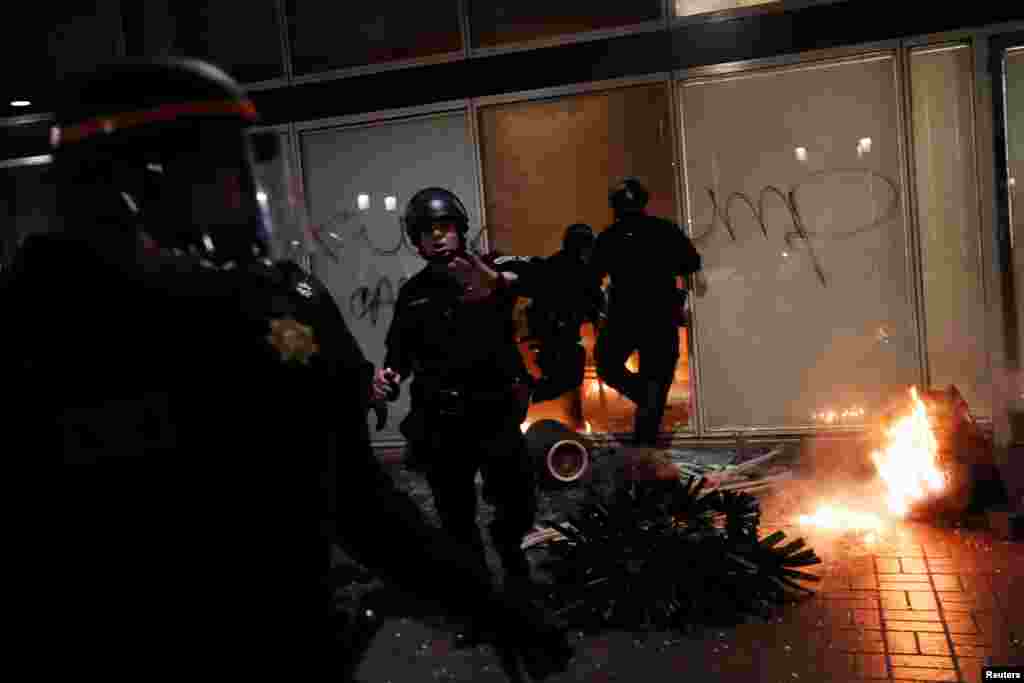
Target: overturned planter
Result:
[563, 456]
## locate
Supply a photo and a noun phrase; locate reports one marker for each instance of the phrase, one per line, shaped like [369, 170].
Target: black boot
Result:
[649, 413]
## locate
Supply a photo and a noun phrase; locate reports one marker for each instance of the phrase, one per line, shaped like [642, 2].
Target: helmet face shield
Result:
[230, 197]
[278, 194]
[166, 147]
[196, 191]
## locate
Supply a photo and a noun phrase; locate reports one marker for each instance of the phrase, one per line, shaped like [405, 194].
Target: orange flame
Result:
[594, 387]
[839, 518]
[908, 464]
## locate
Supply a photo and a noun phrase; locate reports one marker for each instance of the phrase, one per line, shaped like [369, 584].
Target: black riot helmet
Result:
[578, 239]
[629, 196]
[430, 206]
[162, 146]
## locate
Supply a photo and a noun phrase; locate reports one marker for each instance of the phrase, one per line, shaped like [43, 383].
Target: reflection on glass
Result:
[808, 306]
[941, 84]
[685, 8]
[534, 191]
[363, 202]
[338, 35]
[501, 22]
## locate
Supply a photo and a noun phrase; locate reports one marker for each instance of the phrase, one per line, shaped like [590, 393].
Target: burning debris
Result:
[928, 444]
[908, 463]
[923, 446]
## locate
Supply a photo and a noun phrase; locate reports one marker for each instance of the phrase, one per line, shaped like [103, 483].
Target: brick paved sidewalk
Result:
[917, 604]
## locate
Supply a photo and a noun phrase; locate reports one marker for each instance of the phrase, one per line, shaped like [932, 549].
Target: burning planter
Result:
[926, 446]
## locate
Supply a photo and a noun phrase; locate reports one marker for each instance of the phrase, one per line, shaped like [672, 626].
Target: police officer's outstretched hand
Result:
[477, 279]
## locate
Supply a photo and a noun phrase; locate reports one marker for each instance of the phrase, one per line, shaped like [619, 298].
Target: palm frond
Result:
[670, 555]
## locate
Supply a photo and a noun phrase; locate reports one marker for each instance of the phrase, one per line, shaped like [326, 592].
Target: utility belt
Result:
[453, 400]
[450, 403]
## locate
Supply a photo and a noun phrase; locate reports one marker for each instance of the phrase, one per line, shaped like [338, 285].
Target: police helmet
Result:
[161, 145]
[432, 205]
[629, 196]
[578, 236]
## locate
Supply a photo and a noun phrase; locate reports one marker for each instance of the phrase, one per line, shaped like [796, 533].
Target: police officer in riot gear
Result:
[642, 255]
[564, 294]
[183, 378]
[453, 333]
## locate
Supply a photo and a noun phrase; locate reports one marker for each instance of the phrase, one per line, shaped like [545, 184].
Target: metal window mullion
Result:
[284, 35]
[685, 216]
[911, 213]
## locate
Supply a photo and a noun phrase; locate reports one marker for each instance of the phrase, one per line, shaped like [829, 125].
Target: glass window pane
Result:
[244, 42]
[685, 8]
[812, 149]
[27, 44]
[500, 22]
[338, 35]
[548, 164]
[89, 37]
[27, 206]
[376, 163]
[947, 201]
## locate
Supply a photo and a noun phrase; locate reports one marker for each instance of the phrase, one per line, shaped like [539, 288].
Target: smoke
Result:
[835, 482]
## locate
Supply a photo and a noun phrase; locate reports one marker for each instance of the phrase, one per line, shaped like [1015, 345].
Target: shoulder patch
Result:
[294, 341]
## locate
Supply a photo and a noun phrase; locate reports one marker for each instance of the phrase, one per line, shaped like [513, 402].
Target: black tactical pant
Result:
[657, 342]
[562, 361]
[451, 452]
